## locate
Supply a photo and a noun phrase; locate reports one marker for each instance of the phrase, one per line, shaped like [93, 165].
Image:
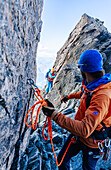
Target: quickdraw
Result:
[42, 102]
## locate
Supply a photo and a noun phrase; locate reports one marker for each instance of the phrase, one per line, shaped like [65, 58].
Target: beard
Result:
[83, 75]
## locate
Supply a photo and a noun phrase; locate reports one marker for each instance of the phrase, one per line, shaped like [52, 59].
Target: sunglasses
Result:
[81, 65]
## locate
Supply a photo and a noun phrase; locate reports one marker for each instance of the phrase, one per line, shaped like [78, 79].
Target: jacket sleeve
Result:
[50, 75]
[76, 95]
[93, 116]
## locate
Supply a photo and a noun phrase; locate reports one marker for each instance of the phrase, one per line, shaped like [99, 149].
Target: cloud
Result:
[45, 52]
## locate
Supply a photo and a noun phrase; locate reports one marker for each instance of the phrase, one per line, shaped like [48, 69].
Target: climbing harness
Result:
[42, 102]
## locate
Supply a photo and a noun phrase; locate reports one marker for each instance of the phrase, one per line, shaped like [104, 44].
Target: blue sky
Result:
[59, 19]
[61, 16]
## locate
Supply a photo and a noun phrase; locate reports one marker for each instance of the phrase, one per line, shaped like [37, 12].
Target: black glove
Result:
[48, 109]
[65, 99]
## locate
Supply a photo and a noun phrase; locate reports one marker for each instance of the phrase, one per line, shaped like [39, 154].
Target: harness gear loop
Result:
[42, 102]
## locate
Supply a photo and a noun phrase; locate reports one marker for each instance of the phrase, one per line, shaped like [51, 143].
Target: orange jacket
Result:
[88, 120]
[76, 95]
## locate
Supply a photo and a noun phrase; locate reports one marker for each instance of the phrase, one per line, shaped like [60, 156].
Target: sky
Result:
[61, 16]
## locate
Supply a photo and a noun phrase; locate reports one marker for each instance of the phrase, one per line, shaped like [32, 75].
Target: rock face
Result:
[20, 27]
[89, 33]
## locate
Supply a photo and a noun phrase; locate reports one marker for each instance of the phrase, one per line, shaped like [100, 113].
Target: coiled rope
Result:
[42, 102]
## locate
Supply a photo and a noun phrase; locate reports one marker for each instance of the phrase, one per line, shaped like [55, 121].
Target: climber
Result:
[50, 77]
[91, 119]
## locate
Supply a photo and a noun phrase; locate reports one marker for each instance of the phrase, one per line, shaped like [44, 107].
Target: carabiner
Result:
[30, 81]
[107, 142]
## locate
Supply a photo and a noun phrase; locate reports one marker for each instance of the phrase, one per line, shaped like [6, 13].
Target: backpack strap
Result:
[104, 132]
[88, 99]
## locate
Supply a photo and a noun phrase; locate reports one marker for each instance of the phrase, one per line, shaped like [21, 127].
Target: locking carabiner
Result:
[31, 83]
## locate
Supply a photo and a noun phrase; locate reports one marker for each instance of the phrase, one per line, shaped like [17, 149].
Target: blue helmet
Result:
[90, 61]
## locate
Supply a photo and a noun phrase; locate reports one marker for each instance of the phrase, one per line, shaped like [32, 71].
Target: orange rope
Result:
[58, 164]
[51, 137]
[58, 101]
[42, 102]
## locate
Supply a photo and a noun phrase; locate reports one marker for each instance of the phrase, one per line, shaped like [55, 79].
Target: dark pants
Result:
[89, 155]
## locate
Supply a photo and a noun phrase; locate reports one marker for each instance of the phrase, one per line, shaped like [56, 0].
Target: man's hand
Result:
[65, 99]
[48, 109]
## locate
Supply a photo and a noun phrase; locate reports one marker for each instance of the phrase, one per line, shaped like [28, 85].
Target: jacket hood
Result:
[101, 81]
